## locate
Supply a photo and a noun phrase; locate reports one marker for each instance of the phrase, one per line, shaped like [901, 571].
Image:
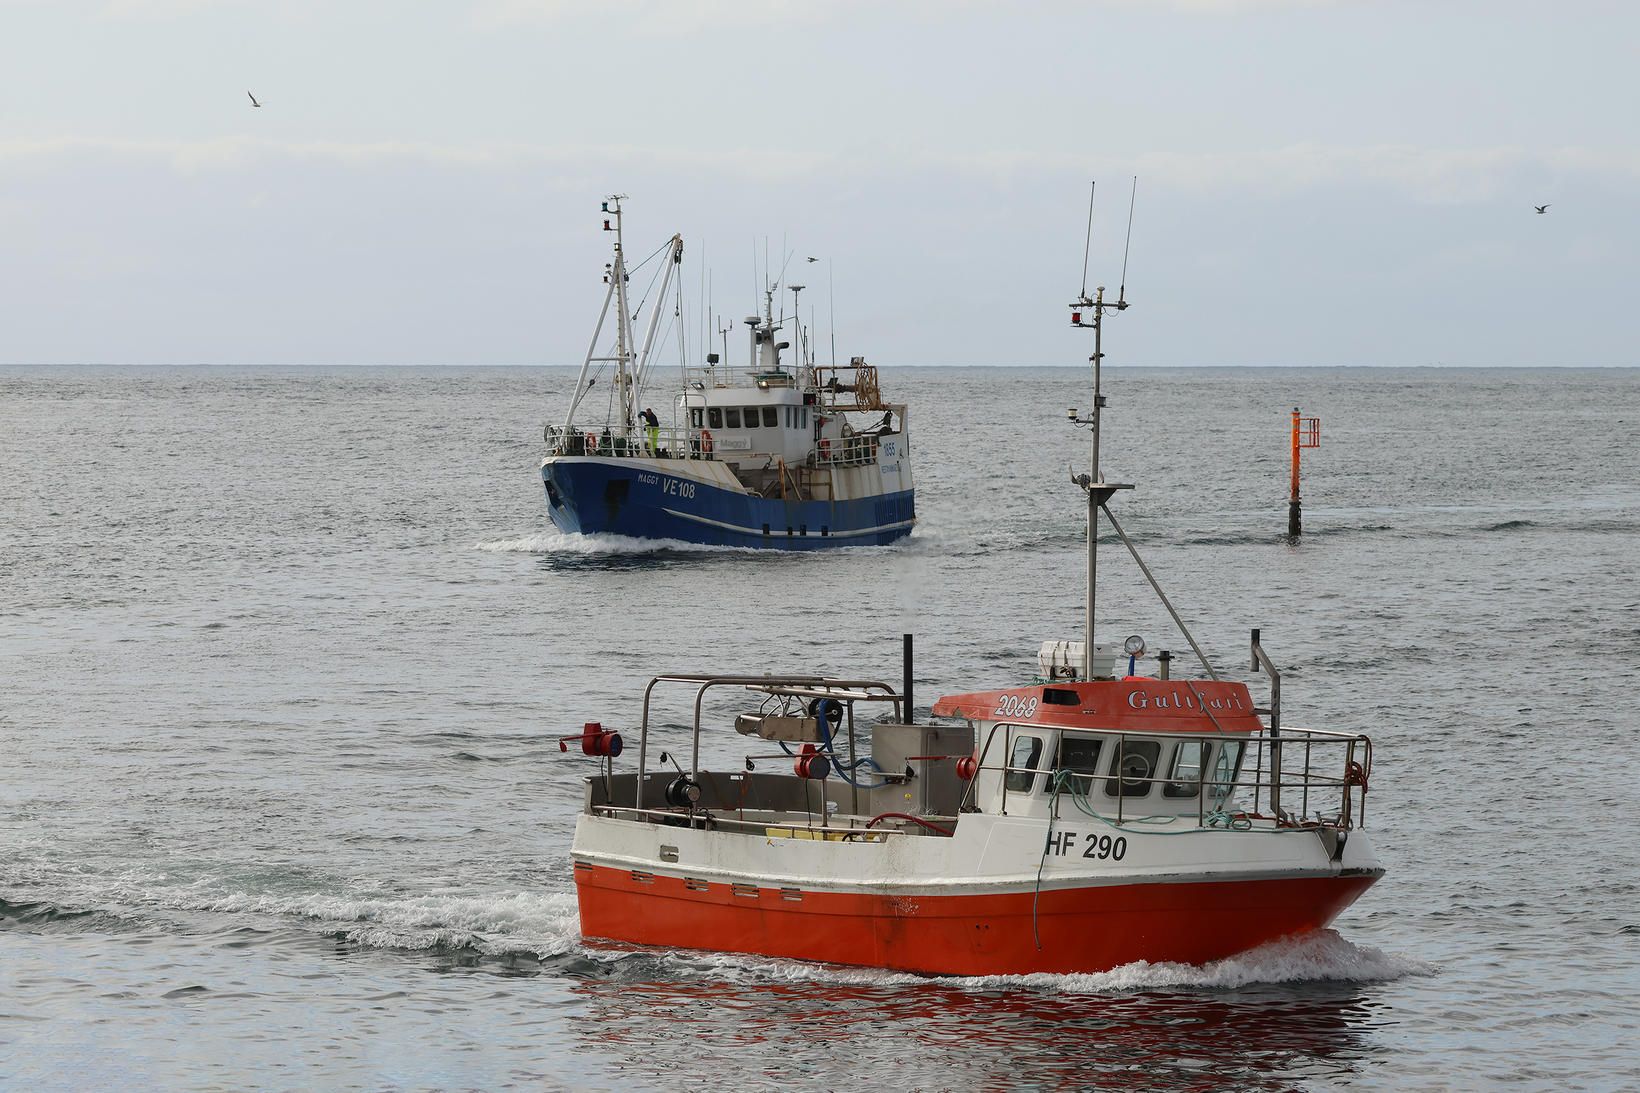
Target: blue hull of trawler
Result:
[595, 496]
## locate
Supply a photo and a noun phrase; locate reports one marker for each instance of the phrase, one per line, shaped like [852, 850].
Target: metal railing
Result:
[842, 387]
[1346, 784]
[844, 826]
[846, 692]
[732, 377]
[856, 450]
[667, 443]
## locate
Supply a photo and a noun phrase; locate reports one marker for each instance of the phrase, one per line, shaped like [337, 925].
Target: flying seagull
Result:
[814, 259]
[1541, 209]
[255, 103]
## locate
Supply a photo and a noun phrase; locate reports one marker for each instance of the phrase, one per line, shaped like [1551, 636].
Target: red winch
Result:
[595, 741]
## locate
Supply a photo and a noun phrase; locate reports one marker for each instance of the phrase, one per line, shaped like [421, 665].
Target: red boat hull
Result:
[1080, 930]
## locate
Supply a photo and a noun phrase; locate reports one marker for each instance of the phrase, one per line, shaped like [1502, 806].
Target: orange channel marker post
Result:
[1306, 434]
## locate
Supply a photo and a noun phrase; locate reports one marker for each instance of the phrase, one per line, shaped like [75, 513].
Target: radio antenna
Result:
[1121, 292]
[1087, 243]
[831, 312]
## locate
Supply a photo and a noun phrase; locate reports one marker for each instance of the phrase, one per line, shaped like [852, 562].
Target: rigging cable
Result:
[1121, 294]
[634, 269]
[1087, 243]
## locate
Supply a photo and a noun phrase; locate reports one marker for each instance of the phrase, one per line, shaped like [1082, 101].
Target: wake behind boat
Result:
[799, 456]
[1088, 818]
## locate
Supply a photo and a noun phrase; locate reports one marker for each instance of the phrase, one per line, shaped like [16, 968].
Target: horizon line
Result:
[1080, 366]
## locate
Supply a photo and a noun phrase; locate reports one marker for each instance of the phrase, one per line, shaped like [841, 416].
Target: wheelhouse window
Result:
[1222, 784]
[1080, 755]
[771, 417]
[1022, 762]
[695, 418]
[731, 415]
[1185, 776]
[714, 417]
[1132, 765]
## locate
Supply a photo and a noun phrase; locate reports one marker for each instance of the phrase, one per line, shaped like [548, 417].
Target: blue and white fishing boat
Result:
[778, 454]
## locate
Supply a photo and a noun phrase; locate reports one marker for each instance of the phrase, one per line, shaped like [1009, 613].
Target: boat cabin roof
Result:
[1133, 704]
[727, 395]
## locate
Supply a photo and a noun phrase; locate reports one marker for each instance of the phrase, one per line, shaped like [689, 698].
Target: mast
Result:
[1093, 483]
[615, 277]
[623, 318]
[802, 337]
[1098, 490]
[1093, 462]
[761, 331]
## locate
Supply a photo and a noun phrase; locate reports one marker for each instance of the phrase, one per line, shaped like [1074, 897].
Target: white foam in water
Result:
[602, 545]
[542, 923]
[558, 542]
[1323, 956]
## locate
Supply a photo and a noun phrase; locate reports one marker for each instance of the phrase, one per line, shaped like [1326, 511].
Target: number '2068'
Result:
[1014, 706]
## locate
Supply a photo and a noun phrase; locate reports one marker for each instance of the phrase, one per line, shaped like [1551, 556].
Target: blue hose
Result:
[828, 745]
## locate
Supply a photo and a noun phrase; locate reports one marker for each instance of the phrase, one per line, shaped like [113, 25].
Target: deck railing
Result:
[1220, 802]
[668, 443]
[843, 826]
[857, 450]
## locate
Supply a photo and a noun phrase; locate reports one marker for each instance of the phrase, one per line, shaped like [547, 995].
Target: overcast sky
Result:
[1319, 183]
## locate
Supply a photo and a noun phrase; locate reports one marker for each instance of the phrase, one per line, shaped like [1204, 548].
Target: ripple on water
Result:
[285, 740]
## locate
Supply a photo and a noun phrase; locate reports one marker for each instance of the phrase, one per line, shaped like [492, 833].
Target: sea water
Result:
[285, 654]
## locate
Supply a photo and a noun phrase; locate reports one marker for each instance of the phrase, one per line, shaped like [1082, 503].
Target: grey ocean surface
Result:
[285, 652]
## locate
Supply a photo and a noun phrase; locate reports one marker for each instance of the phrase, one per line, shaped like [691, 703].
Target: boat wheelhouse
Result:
[790, 455]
